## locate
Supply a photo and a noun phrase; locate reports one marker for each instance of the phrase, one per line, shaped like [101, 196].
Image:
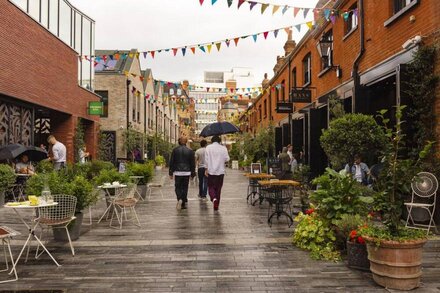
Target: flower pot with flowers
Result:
[395, 252]
[357, 255]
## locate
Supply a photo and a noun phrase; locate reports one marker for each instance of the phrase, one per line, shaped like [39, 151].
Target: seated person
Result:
[359, 170]
[24, 166]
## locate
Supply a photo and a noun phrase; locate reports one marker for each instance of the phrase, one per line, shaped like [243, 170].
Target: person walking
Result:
[182, 166]
[200, 162]
[216, 155]
[285, 161]
[83, 154]
[59, 153]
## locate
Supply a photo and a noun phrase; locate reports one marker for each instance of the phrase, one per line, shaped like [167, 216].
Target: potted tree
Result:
[395, 252]
[160, 162]
[145, 170]
[7, 178]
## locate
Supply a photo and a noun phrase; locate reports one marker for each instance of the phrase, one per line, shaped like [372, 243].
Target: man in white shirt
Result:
[59, 153]
[216, 156]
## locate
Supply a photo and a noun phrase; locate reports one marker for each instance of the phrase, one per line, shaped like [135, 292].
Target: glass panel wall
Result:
[71, 26]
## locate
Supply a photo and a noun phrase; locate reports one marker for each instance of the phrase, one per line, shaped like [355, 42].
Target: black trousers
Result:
[181, 187]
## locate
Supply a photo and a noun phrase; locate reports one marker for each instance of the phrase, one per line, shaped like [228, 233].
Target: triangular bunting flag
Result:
[213, 2]
[264, 7]
[298, 27]
[145, 55]
[152, 54]
[255, 37]
[275, 33]
[287, 30]
[346, 15]
[147, 96]
[183, 51]
[306, 11]
[333, 18]
[275, 9]
[295, 11]
[209, 48]
[240, 2]
[193, 50]
[316, 14]
[218, 45]
[116, 56]
[265, 35]
[227, 42]
[201, 1]
[236, 41]
[229, 3]
[252, 4]
[285, 9]
[130, 55]
[174, 51]
[137, 55]
[309, 24]
[327, 14]
[202, 48]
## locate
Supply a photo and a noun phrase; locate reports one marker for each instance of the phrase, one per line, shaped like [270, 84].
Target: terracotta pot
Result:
[396, 265]
[357, 256]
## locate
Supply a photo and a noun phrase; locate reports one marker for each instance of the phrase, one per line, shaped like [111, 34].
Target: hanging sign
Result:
[283, 107]
[301, 95]
[96, 108]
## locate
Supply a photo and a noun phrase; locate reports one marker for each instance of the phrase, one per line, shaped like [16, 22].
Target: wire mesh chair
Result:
[279, 199]
[95, 191]
[424, 194]
[126, 200]
[5, 236]
[57, 217]
[158, 186]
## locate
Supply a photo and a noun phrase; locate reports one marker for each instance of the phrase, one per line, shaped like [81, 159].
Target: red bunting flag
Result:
[152, 54]
[295, 11]
[147, 96]
[116, 56]
[240, 2]
[265, 35]
[201, 2]
[236, 41]
[174, 51]
[193, 49]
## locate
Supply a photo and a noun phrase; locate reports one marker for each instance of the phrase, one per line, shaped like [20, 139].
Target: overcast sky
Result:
[158, 24]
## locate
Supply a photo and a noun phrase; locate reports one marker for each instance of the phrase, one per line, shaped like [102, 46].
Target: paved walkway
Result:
[195, 250]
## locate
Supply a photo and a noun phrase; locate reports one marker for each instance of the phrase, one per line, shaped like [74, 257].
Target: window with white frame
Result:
[307, 69]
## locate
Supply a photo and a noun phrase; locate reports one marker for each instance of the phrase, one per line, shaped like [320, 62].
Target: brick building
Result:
[359, 59]
[44, 88]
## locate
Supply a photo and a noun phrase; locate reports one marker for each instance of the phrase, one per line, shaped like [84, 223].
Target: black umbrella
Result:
[12, 151]
[219, 128]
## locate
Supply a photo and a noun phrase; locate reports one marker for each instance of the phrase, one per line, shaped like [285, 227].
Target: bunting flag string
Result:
[275, 7]
[201, 46]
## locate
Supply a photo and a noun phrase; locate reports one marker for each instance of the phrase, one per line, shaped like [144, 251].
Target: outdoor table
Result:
[117, 190]
[280, 194]
[254, 187]
[31, 227]
[136, 180]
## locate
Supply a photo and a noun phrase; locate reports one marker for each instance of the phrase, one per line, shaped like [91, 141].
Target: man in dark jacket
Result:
[182, 166]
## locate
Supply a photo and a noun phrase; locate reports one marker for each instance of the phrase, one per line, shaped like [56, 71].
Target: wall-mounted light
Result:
[325, 48]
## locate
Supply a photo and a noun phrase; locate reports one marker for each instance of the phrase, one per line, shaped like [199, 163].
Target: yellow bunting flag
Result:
[130, 55]
[209, 48]
[126, 73]
[137, 55]
[309, 24]
[275, 9]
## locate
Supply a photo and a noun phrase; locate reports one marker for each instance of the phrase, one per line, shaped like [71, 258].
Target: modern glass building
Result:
[73, 27]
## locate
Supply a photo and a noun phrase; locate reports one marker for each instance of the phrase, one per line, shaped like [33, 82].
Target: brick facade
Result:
[38, 68]
[382, 42]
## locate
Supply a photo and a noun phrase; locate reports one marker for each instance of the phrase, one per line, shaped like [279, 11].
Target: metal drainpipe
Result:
[290, 101]
[356, 76]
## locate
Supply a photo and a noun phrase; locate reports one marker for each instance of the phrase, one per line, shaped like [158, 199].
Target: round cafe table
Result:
[117, 191]
[31, 226]
[254, 187]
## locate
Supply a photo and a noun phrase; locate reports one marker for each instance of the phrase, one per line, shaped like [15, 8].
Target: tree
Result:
[352, 134]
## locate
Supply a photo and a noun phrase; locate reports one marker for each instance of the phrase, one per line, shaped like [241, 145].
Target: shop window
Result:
[104, 100]
[307, 69]
[399, 5]
[351, 20]
[294, 84]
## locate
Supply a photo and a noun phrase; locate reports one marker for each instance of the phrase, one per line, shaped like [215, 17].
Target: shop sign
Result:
[301, 95]
[284, 108]
[96, 108]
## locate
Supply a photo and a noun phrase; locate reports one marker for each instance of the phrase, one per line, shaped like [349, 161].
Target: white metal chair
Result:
[424, 194]
[90, 210]
[57, 217]
[5, 236]
[125, 200]
[158, 186]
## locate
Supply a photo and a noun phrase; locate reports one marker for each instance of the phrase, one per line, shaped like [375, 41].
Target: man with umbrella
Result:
[24, 166]
[216, 155]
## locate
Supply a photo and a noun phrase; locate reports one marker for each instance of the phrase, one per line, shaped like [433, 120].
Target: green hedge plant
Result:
[7, 177]
[146, 170]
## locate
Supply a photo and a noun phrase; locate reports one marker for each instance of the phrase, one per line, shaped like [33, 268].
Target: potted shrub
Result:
[145, 170]
[7, 178]
[395, 252]
[160, 162]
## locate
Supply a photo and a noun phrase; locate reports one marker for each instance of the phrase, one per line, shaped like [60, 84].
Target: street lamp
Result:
[325, 47]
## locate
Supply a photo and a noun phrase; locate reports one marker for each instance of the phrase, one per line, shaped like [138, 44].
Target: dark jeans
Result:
[181, 187]
[203, 182]
[215, 183]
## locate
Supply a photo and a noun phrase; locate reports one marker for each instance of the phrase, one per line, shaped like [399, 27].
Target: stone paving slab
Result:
[194, 250]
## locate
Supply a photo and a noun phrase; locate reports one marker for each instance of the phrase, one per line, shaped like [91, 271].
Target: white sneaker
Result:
[179, 204]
